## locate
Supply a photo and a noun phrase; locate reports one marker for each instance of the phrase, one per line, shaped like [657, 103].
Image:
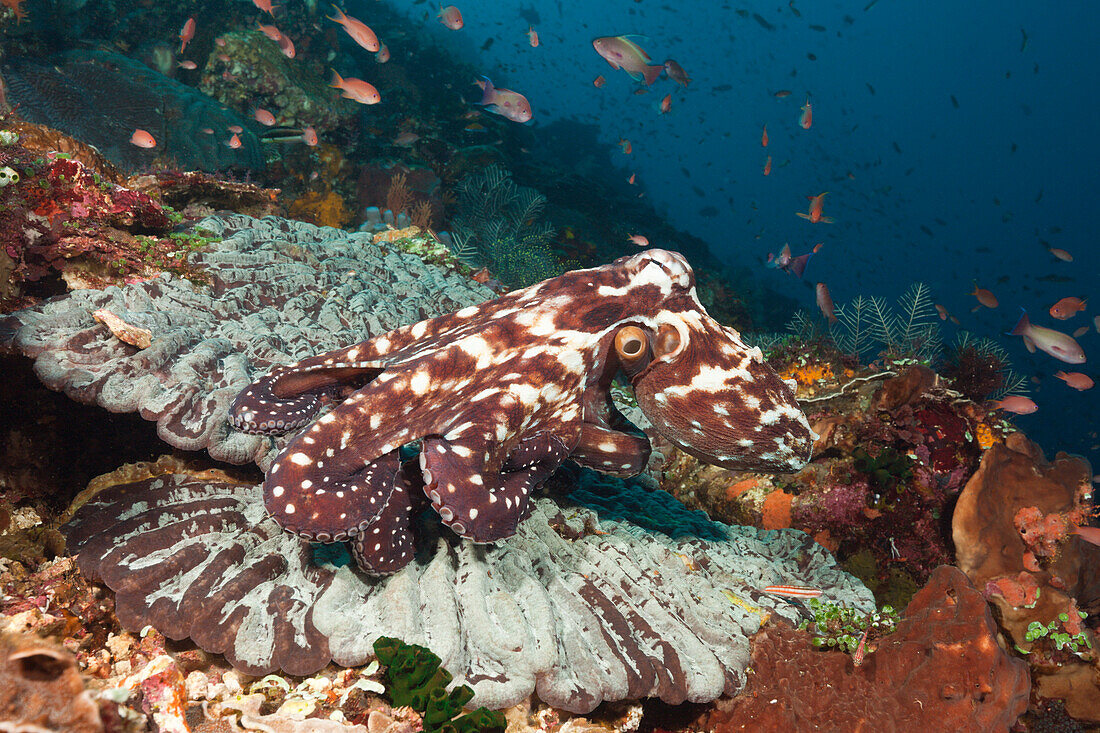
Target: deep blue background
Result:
[914, 159]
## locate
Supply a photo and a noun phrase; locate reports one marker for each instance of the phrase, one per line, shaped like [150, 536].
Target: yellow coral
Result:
[986, 435]
[321, 207]
[808, 375]
[392, 235]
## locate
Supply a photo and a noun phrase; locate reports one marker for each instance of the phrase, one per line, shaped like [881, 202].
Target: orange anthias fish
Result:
[16, 7]
[142, 139]
[1016, 403]
[639, 240]
[985, 297]
[286, 46]
[383, 54]
[450, 17]
[768, 166]
[1059, 345]
[677, 73]
[1077, 380]
[357, 29]
[356, 89]
[1067, 308]
[806, 119]
[264, 117]
[504, 102]
[270, 31]
[666, 104]
[764, 137]
[622, 53]
[233, 142]
[626, 146]
[532, 36]
[265, 5]
[187, 33]
[817, 204]
[825, 302]
[188, 64]
[599, 81]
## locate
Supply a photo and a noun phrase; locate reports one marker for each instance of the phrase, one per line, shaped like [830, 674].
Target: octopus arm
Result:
[611, 451]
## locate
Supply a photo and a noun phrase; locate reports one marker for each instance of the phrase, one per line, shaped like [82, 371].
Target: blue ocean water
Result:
[955, 140]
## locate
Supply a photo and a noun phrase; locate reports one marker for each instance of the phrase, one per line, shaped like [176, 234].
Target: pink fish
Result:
[639, 240]
[1077, 380]
[1059, 345]
[187, 33]
[1016, 403]
[666, 104]
[825, 302]
[504, 102]
[264, 117]
[532, 36]
[985, 297]
[768, 166]
[233, 142]
[309, 136]
[450, 17]
[142, 139]
[1067, 307]
[357, 89]
[286, 46]
[677, 73]
[383, 54]
[188, 64]
[806, 119]
[793, 591]
[623, 53]
[265, 5]
[599, 81]
[357, 29]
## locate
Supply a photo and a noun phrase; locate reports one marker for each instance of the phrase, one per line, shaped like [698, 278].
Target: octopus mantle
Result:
[500, 394]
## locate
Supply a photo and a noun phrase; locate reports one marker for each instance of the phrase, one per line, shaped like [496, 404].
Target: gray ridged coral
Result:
[575, 608]
[279, 290]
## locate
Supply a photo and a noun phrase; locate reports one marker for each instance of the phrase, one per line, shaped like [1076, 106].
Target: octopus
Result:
[496, 396]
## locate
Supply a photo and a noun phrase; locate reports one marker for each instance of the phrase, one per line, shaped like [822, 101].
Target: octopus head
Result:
[713, 396]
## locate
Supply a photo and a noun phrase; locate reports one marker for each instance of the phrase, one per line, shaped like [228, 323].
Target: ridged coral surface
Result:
[279, 290]
[575, 609]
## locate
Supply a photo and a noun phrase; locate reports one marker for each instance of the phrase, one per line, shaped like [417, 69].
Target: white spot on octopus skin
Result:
[277, 491]
[420, 382]
[300, 459]
[306, 484]
[289, 509]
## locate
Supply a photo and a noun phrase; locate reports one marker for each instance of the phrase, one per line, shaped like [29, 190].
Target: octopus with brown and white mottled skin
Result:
[500, 394]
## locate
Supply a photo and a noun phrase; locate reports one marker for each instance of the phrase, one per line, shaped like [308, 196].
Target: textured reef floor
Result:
[929, 568]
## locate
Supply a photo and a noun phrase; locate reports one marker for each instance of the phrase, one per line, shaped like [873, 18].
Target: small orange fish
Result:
[782, 93]
[599, 81]
[383, 54]
[985, 297]
[764, 137]
[817, 205]
[235, 129]
[187, 33]
[268, 30]
[286, 46]
[356, 89]
[219, 42]
[942, 311]
[233, 142]
[825, 302]
[631, 179]
[450, 17]
[142, 139]
[265, 5]
[309, 136]
[188, 64]
[1077, 380]
[1016, 403]
[264, 117]
[639, 240]
[532, 36]
[1067, 308]
[1061, 254]
[677, 73]
[626, 146]
[806, 119]
[207, 131]
[768, 166]
[666, 104]
[359, 31]
[793, 591]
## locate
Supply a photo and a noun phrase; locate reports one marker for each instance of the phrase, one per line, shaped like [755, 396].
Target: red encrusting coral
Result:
[940, 670]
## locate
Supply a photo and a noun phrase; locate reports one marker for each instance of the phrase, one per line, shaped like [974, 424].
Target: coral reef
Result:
[273, 282]
[576, 608]
[940, 670]
[62, 92]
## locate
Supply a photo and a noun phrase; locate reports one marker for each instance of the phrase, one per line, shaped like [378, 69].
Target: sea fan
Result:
[916, 330]
[910, 331]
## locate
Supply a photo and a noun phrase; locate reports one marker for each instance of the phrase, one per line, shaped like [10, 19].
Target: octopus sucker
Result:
[500, 395]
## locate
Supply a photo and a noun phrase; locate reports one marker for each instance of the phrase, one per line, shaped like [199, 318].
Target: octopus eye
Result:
[632, 346]
[668, 340]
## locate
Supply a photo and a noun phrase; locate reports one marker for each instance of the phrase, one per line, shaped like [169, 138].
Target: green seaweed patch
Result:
[432, 252]
[414, 678]
[889, 471]
[840, 628]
